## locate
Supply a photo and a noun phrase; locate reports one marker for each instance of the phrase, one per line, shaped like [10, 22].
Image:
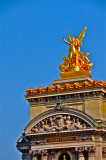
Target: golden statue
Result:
[64, 157]
[86, 63]
[76, 61]
[65, 67]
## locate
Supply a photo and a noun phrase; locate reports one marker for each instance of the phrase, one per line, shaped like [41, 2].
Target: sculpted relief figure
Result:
[59, 123]
[68, 122]
[53, 124]
[78, 124]
[75, 58]
[72, 124]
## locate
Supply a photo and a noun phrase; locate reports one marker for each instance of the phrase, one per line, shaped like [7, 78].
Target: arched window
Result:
[64, 156]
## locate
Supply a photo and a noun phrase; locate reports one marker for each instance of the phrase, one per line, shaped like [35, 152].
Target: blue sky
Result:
[31, 49]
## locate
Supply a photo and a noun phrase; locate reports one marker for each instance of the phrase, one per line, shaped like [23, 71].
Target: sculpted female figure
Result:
[76, 65]
[74, 50]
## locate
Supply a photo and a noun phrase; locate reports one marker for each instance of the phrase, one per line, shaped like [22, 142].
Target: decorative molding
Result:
[66, 87]
[85, 138]
[37, 141]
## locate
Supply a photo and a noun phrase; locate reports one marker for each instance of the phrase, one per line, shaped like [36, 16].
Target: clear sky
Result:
[31, 49]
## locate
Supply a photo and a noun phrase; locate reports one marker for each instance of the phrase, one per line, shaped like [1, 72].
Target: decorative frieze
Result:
[61, 139]
[60, 123]
[38, 141]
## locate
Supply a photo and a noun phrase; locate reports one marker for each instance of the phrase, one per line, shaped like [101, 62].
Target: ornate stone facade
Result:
[68, 120]
[59, 122]
[63, 132]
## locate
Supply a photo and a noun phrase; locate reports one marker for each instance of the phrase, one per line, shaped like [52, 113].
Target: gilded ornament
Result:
[76, 65]
[66, 87]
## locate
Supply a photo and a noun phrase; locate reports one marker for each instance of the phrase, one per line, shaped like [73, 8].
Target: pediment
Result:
[60, 121]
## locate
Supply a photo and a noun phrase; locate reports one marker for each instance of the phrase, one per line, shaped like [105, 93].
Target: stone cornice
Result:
[66, 133]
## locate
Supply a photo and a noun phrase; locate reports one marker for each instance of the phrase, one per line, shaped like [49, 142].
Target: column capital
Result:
[90, 149]
[44, 154]
[79, 149]
[35, 152]
[85, 148]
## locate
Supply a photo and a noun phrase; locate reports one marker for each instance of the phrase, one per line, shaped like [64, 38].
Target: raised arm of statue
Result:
[66, 41]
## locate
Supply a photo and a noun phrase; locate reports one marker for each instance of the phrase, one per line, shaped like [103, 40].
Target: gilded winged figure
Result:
[75, 57]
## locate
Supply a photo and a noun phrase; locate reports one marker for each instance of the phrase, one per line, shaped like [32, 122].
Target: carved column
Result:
[44, 155]
[53, 155]
[91, 153]
[81, 156]
[33, 155]
[98, 145]
[98, 155]
[80, 151]
[91, 156]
